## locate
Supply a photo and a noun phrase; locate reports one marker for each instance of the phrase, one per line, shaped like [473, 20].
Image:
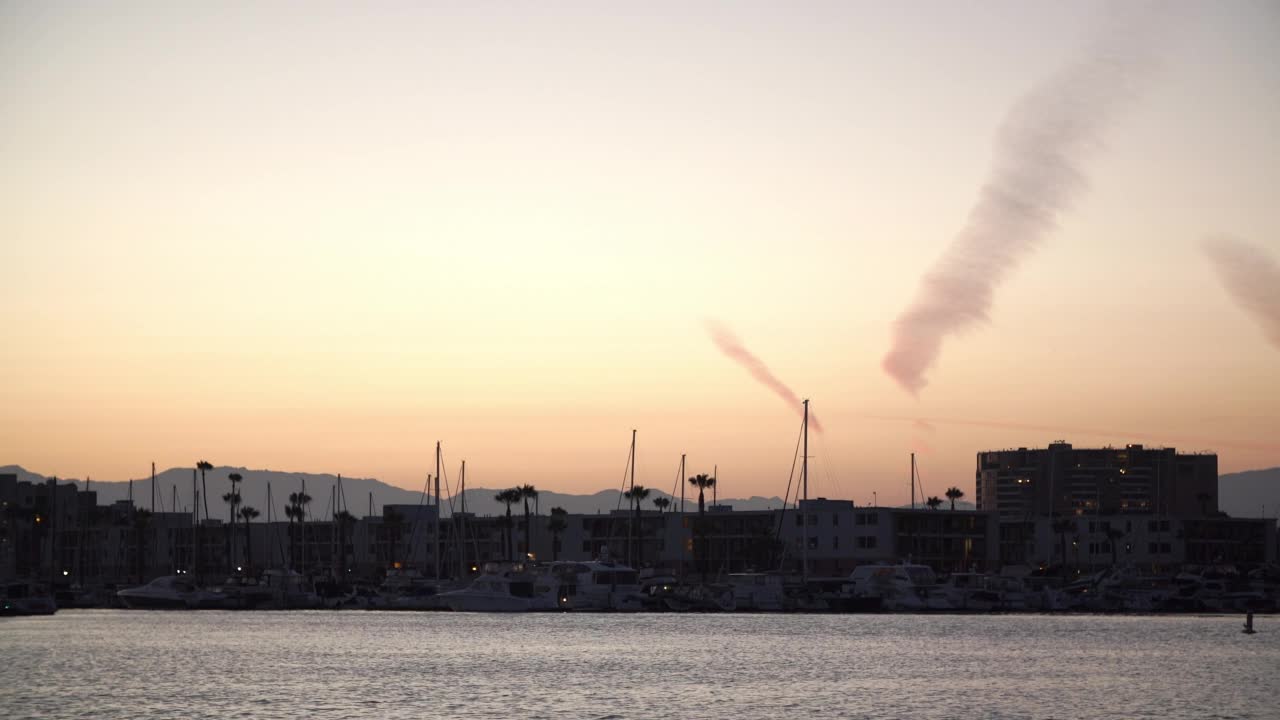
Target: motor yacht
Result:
[505, 587]
[408, 590]
[597, 585]
[289, 590]
[758, 591]
[169, 592]
[898, 587]
[972, 592]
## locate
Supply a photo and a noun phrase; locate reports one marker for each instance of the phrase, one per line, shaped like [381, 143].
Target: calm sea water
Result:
[136, 664]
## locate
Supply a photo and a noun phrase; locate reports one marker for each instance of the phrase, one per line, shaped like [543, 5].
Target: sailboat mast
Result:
[630, 530]
[462, 524]
[682, 456]
[153, 487]
[439, 516]
[195, 524]
[913, 481]
[804, 479]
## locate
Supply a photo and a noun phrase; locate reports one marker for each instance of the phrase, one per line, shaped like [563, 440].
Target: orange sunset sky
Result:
[319, 238]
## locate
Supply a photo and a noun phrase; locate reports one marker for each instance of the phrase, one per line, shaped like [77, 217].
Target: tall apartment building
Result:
[1025, 483]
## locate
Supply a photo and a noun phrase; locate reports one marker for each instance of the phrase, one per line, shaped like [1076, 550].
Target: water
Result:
[136, 664]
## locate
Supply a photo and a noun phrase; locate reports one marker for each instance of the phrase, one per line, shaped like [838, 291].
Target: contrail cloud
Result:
[1034, 177]
[1251, 276]
[730, 345]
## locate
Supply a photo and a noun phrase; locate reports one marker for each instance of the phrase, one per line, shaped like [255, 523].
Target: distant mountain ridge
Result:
[1249, 493]
[1242, 494]
[359, 494]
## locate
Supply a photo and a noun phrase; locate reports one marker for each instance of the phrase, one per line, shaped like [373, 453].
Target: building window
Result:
[835, 542]
[835, 518]
[799, 520]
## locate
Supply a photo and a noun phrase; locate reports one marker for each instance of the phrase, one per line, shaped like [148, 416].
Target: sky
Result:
[321, 237]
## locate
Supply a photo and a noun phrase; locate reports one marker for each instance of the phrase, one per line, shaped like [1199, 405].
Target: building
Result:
[1158, 544]
[1061, 480]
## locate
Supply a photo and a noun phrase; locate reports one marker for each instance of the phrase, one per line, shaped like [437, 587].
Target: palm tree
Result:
[1114, 535]
[933, 502]
[248, 513]
[555, 526]
[291, 512]
[703, 482]
[954, 494]
[637, 494]
[527, 493]
[232, 499]
[662, 503]
[509, 497]
[202, 466]
[297, 510]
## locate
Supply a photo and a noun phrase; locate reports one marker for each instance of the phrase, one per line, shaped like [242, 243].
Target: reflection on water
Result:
[122, 664]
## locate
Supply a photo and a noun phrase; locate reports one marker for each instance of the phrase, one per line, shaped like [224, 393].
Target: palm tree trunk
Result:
[639, 538]
[702, 532]
[527, 528]
[510, 549]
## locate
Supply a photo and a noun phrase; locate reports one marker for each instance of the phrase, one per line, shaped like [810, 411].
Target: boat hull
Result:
[152, 602]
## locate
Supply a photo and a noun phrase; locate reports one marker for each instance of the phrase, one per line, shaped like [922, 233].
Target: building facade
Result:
[1059, 480]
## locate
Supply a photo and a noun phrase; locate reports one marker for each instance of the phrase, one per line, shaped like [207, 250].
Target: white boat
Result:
[25, 598]
[505, 587]
[169, 592]
[597, 585]
[710, 597]
[289, 590]
[971, 591]
[408, 590]
[898, 587]
[758, 591]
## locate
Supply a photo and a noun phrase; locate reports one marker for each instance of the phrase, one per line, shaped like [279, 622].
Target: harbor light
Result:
[239, 569]
[65, 573]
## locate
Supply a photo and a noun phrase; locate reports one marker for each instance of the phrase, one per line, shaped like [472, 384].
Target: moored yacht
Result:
[758, 591]
[898, 587]
[289, 590]
[169, 592]
[408, 590]
[504, 587]
[970, 591]
[597, 585]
